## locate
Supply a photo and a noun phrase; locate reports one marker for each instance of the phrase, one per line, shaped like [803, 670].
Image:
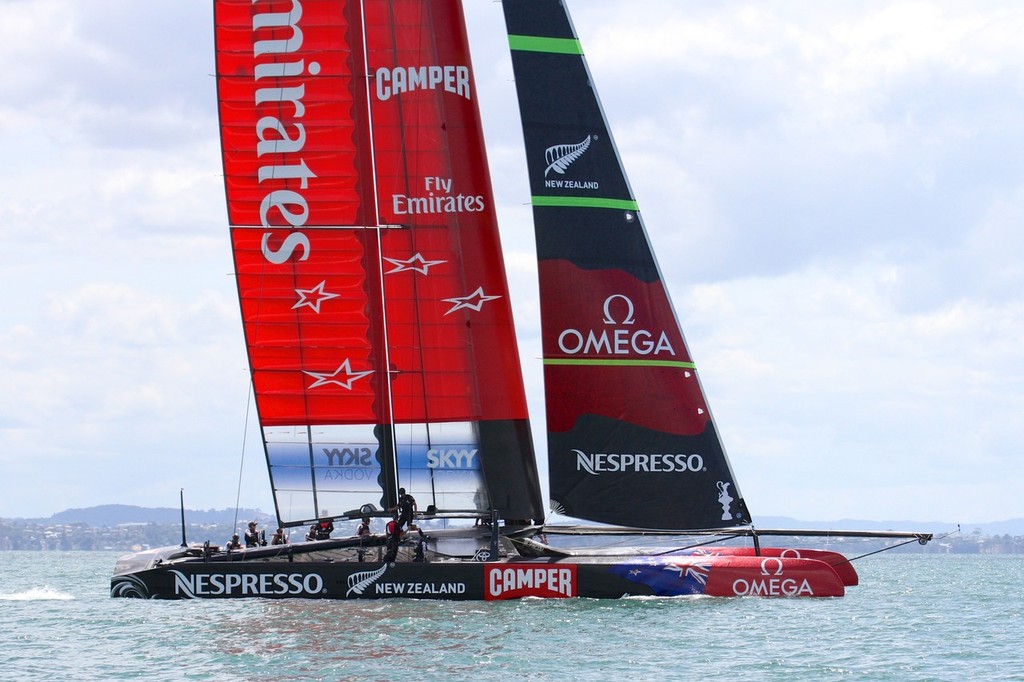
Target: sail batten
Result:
[575, 362]
[585, 202]
[545, 44]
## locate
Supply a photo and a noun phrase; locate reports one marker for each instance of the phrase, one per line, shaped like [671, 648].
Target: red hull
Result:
[839, 563]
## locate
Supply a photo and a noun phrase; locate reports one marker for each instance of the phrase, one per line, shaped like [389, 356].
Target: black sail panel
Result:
[631, 439]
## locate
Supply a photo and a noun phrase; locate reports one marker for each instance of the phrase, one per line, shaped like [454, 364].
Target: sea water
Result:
[913, 617]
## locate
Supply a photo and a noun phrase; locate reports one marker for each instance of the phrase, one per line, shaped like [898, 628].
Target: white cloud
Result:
[818, 380]
[834, 190]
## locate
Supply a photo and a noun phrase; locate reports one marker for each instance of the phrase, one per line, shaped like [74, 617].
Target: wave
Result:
[37, 594]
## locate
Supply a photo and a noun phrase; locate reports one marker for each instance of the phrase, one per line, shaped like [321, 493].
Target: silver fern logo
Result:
[561, 156]
[358, 582]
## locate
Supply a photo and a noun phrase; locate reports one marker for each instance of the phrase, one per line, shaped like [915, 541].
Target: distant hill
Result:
[117, 514]
[1010, 527]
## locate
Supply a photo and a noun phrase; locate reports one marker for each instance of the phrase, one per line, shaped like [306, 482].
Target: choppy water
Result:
[914, 617]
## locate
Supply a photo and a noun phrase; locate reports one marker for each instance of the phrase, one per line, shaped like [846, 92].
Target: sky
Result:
[835, 192]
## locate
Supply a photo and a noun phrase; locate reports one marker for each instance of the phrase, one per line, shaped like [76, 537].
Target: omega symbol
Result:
[618, 335]
[609, 318]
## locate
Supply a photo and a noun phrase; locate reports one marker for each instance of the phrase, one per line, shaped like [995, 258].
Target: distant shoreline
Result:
[117, 514]
[128, 528]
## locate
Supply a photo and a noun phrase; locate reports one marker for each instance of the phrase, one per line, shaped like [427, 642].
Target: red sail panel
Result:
[296, 155]
[623, 332]
[315, 133]
[432, 373]
[307, 329]
[369, 265]
[451, 340]
[291, 87]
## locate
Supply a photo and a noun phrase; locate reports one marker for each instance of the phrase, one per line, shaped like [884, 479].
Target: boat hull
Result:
[605, 578]
[839, 563]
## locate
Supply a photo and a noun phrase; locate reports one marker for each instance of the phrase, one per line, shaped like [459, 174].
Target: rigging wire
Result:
[911, 540]
[919, 538]
[241, 462]
[712, 541]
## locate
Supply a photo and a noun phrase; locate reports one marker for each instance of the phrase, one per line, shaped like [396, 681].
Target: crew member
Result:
[406, 507]
[363, 532]
[324, 529]
[394, 532]
[252, 536]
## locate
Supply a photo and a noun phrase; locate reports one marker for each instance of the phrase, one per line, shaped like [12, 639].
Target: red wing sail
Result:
[370, 277]
[630, 437]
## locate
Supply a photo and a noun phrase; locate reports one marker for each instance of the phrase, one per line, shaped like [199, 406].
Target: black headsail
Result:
[631, 440]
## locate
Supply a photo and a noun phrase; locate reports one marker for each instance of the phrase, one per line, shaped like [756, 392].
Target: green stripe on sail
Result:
[539, 44]
[620, 363]
[586, 202]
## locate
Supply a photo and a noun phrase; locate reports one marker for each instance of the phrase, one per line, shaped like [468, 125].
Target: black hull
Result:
[460, 580]
[549, 577]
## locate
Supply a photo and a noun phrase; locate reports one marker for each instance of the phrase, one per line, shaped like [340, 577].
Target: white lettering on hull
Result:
[558, 581]
[247, 584]
[406, 589]
[772, 587]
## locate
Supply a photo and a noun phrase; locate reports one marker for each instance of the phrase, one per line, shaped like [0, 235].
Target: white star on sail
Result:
[314, 297]
[323, 378]
[474, 301]
[417, 263]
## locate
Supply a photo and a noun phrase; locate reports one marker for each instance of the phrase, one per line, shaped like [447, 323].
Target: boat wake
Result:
[37, 594]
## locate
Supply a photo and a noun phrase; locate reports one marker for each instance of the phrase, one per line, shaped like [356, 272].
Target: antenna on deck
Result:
[494, 535]
[181, 494]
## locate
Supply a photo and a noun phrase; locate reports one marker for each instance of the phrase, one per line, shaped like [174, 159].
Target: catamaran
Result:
[380, 337]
